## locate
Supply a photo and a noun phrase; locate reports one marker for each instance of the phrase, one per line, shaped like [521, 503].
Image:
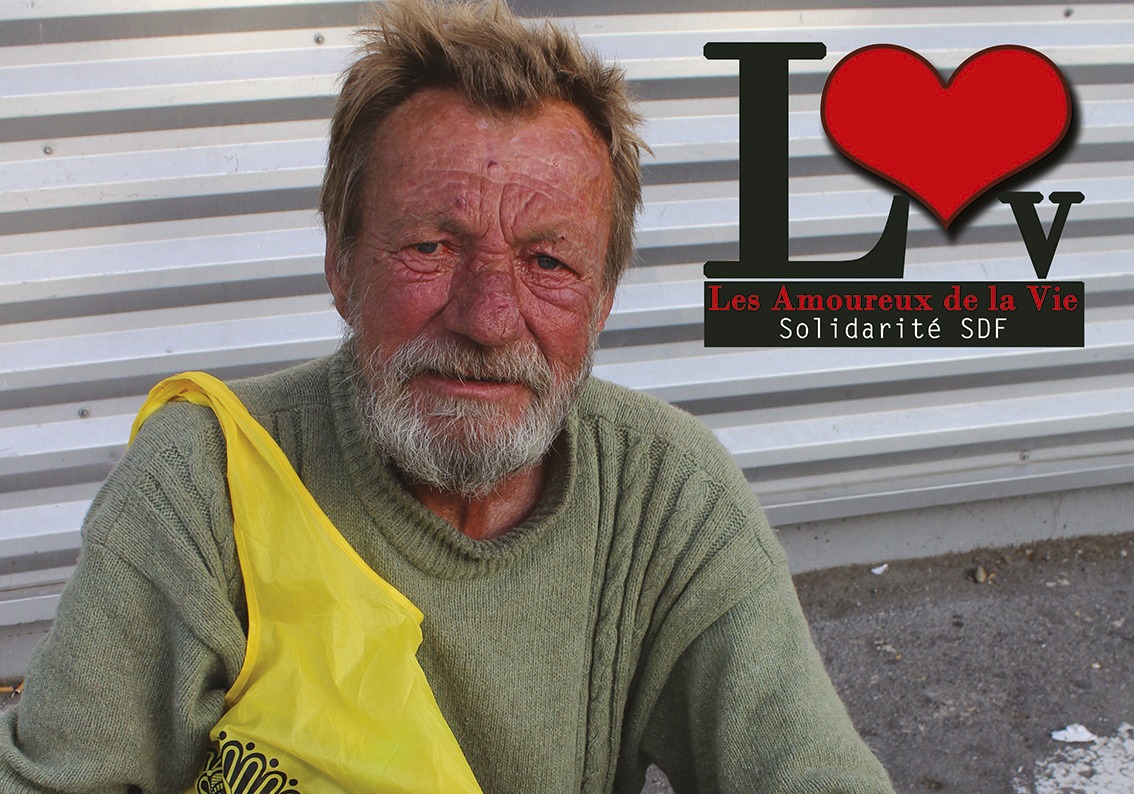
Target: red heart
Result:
[886, 108]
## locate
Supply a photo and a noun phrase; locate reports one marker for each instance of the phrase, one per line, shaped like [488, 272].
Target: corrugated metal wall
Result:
[160, 160]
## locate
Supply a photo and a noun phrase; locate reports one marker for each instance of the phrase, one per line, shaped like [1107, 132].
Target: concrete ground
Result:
[957, 670]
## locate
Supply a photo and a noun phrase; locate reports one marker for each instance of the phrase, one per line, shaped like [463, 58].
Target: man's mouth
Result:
[464, 376]
[454, 367]
[466, 379]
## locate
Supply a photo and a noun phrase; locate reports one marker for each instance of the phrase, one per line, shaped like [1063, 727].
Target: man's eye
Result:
[547, 262]
[426, 248]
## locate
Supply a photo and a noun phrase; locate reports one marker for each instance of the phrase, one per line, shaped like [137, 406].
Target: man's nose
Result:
[483, 304]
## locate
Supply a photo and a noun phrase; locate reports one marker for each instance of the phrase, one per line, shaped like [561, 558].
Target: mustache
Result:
[463, 360]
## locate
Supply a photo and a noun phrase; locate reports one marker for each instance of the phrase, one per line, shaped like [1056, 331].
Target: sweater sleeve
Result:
[748, 707]
[121, 694]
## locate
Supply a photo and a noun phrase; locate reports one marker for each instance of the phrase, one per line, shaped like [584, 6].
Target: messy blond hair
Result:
[496, 62]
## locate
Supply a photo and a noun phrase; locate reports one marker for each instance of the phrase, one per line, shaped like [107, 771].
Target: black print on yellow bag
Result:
[235, 768]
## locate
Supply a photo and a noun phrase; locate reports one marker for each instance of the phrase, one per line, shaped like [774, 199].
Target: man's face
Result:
[475, 290]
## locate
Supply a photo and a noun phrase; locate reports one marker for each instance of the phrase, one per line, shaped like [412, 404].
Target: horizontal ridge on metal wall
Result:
[160, 169]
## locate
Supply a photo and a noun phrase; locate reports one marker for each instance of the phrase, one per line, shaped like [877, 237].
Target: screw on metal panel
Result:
[84, 413]
[48, 149]
[1024, 455]
[319, 38]
[1068, 12]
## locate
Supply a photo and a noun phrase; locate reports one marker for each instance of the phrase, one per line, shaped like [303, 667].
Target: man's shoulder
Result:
[188, 435]
[647, 416]
[650, 434]
[185, 426]
[305, 384]
[176, 465]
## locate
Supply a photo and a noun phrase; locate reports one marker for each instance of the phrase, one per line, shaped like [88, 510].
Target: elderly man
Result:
[598, 589]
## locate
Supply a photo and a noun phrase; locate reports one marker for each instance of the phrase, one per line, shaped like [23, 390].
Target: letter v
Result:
[1041, 247]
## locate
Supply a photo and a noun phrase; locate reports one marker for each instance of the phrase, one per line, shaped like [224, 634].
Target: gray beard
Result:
[457, 445]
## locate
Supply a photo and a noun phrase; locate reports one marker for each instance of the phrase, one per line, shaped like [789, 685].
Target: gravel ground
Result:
[958, 669]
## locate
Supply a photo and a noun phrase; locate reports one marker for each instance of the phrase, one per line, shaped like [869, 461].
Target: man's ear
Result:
[337, 272]
[604, 309]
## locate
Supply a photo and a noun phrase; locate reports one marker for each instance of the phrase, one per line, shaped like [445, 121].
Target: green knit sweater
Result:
[643, 613]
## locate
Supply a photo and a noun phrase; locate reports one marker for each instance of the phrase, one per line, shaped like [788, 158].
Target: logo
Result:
[233, 767]
[944, 142]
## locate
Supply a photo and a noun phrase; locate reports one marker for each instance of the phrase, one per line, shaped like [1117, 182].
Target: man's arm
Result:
[132, 676]
[748, 707]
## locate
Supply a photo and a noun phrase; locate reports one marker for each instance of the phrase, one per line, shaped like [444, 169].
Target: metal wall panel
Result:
[160, 164]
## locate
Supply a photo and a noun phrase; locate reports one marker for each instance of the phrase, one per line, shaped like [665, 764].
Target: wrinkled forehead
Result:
[551, 149]
[438, 128]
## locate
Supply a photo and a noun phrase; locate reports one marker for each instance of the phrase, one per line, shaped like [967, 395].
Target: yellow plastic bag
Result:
[331, 697]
